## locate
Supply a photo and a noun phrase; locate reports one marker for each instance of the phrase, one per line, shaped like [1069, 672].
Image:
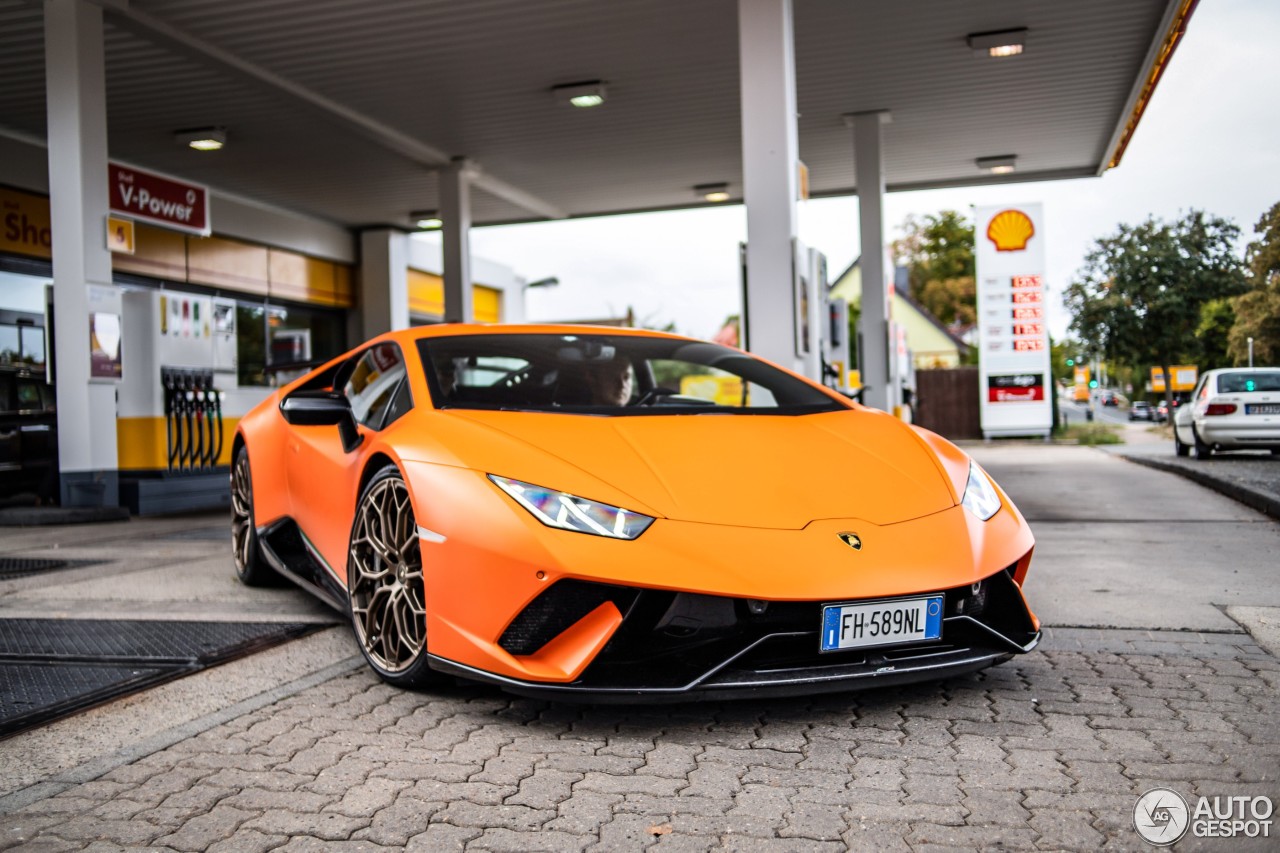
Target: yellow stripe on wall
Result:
[142, 444]
[426, 298]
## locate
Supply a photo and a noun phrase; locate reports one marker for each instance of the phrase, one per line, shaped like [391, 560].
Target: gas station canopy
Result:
[343, 109]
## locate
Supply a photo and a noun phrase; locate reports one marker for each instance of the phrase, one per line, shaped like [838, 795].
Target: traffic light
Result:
[1093, 383]
[1071, 362]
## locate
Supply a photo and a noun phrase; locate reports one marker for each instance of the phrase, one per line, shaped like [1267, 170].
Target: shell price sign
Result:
[1013, 335]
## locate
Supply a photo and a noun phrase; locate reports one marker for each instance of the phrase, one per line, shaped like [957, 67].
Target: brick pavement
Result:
[1048, 751]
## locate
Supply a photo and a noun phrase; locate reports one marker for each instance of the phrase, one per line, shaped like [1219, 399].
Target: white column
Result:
[873, 323]
[384, 281]
[75, 84]
[770, 153]
[455, 210]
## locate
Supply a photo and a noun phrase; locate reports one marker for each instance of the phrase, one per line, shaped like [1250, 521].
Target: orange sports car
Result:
[571, 511]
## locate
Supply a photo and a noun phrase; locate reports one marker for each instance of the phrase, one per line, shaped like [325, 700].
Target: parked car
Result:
[1231, 409]
[531, 506]
[28, 433]
[1141, 410]
[1160, 410]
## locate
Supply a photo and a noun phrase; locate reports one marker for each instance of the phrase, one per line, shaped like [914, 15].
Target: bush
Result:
[1094, 433]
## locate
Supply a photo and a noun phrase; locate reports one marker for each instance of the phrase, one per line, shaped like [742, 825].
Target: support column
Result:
[455, 210]
[770, 153]
[384, 282]
[873, 324]
[75, 84]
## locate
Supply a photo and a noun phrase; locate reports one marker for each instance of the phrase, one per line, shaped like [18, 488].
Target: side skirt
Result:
[286, 548]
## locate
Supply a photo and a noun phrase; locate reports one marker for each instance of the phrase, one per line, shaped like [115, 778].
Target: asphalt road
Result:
[1120, 545]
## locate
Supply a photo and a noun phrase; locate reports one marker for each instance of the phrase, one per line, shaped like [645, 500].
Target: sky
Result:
[1210, 140]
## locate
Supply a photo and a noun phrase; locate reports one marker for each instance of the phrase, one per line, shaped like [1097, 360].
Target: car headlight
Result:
[570, 512]
[980, 496]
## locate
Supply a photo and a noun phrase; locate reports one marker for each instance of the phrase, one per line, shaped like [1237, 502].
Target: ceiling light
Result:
[1002, 164]
[426, 220]
[712, 192]
[999, 43]
[202, 138]
[584, 94]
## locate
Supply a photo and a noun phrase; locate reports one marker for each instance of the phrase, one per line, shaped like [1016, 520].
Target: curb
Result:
[1261, 501]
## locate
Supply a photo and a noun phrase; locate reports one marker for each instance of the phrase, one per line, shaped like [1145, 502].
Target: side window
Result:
[372, 383]
[401, 402]
[6, 392]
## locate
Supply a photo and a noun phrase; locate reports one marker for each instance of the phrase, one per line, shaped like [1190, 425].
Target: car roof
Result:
[440, 330]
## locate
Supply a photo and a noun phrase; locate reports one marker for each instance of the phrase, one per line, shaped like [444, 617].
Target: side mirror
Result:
[323, 408]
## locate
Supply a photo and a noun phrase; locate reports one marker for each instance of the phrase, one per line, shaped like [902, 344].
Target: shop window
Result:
[271, 337]
[32, 344]
[10, 347]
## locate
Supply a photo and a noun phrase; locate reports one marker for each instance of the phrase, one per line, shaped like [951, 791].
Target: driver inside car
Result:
[609, 382]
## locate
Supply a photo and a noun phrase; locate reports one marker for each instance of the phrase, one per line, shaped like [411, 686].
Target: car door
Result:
[323, 477]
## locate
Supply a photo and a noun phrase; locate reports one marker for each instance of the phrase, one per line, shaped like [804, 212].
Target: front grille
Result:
[671, 640]
[556, 610]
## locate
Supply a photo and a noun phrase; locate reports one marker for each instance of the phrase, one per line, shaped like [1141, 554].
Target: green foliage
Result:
[1138, 299]
[1217, 316]
[1258, 311]
[937, 251]
[1092, 434]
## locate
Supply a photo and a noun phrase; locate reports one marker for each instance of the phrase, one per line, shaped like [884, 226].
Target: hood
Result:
[771, 471]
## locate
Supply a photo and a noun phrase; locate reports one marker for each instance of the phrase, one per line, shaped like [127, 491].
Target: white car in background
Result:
[1234, 408]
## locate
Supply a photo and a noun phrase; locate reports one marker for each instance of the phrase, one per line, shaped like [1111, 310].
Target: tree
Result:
[1217, 318]
[1139, 297]
[1258, 311]
[937, 251]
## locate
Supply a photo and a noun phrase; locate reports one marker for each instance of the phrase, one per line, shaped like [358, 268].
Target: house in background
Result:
[932, 345]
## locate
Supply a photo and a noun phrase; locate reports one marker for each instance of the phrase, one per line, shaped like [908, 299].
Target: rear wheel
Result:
[250, 567]
[384, 579]
[1178, 447]
[1203, 451]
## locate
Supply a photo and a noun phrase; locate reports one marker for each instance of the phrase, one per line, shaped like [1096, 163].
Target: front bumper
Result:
[715, 647]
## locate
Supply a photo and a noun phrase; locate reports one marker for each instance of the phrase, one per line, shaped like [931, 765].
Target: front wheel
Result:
[384, 580]
[250, 567]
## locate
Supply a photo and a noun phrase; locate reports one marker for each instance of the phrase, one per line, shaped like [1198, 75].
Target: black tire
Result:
[1178, 447]
[384, 583]
[251, 568]
[1203, 451]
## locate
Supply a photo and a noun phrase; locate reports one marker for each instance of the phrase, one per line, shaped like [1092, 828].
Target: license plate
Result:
[881, 623]
[1262, 409]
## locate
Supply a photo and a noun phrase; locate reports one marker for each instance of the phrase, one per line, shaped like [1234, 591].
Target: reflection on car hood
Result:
[749, 470]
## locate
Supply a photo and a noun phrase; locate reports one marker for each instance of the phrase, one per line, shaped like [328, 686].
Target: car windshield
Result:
[610, 375]
[1234, 383]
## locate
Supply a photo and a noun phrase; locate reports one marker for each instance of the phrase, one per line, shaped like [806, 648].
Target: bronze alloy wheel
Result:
[385, 578]
[242, 514]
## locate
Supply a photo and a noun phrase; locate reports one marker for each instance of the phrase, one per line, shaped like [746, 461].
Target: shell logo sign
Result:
[1010, 230]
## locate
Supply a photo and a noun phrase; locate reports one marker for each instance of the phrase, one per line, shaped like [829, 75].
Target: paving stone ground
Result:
[1048, 751]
